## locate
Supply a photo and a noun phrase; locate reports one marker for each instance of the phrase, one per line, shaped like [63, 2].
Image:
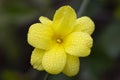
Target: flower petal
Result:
[36, 58]
[64, 20]
[54, 60]
[39, 36]
[78, 44]
[45, 20]
[72, 65]
[85, 24]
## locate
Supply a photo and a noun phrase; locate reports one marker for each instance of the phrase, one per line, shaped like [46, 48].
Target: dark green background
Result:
[16, 16]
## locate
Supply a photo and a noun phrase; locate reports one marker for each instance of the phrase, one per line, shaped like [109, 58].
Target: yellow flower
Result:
[60, 42]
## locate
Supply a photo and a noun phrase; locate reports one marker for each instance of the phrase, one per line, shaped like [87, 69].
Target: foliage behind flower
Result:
[60, 42]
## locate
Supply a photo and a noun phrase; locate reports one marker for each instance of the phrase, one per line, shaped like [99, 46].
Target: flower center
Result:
[58, 40]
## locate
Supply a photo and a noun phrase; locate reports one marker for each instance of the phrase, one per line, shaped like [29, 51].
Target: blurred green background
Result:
[16, 16]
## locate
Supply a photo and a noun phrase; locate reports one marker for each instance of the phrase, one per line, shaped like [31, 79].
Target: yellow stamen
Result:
[58, 40]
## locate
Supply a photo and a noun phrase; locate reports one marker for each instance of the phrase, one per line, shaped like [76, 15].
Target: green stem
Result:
[82, 7]
[46, 76]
